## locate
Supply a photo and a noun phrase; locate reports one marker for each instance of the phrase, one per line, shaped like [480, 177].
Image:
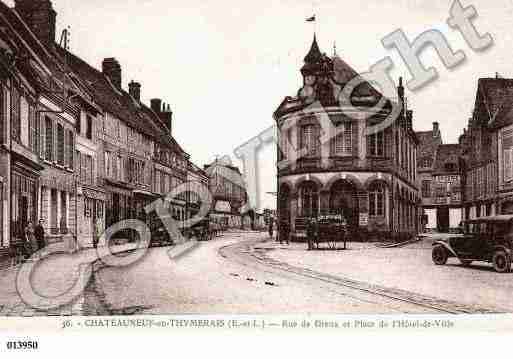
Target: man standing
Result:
[39, 233]
[271, 230]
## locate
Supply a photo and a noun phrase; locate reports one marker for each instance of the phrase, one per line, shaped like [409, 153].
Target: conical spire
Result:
[314, 55]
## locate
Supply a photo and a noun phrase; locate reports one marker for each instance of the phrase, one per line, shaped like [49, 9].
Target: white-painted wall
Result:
[431, 214]
[454, 217]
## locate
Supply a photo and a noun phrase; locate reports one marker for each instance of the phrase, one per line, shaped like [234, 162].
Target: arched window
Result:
[377, 200]
[309, 196]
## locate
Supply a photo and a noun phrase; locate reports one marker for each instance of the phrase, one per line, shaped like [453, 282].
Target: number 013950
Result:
[22, 345]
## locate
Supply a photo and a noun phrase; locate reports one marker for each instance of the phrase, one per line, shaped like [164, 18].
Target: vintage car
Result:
[485, 239]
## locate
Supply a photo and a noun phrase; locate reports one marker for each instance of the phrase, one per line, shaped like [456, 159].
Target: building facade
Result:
[487, 141]
[76, 149]
[228, 194]
[195, 175]
[370, 178]
[440, 169]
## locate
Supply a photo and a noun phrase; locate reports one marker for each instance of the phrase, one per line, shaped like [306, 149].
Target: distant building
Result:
[195, 175]
[229, 194]
[440, 170]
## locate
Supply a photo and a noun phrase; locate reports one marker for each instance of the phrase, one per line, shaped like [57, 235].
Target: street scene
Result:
[133, 184]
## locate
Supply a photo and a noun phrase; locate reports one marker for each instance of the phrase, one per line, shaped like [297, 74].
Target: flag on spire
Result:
[311, 19]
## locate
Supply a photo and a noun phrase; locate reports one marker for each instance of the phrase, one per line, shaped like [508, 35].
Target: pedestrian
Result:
[285, 232]
[39, 233]
[30, 240]
[271, 230]
[310, 233]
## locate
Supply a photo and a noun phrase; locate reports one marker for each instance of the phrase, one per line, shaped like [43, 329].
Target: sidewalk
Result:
[52, 276]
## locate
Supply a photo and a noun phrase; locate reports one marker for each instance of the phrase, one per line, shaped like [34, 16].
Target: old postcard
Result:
[279, 166]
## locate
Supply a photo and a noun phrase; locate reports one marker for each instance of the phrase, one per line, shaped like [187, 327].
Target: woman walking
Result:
[30, 240]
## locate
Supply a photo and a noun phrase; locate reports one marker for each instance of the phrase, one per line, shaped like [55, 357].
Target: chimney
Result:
[112, 69]
[167, 117]
[156, 105]
[164, 112]
[134, 89]
[40, 17]
[436, 129]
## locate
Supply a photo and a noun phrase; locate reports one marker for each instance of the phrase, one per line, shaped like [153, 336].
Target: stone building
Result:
[199, 176]
[228, 194]
[45, 102]
[440, 169]
[139, 161]
[76, 149]
[368, 177]
[487, 142]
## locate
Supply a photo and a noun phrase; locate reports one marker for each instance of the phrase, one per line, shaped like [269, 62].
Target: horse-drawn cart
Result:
[328, 229]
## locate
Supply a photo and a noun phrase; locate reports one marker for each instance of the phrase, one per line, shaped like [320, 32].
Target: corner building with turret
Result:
[337, 154]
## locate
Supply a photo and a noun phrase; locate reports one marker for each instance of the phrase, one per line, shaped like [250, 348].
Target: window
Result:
[70, 150]
[15, 114]
[79, 162]
[426, 188]
[33, 130]
[121, 170]
[284, 143]
[377, 200]
[310, 140]
[60, 145]
[342, 143]
[377, 144]
[162, 182]
[49, 139]
[508, 169]
[64, 220]
[108, 170]
[2, 118]
[89, 169]
[309, 197]
[89, 127]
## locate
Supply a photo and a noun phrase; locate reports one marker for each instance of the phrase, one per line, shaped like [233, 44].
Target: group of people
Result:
[34, 239]
[283, 231]
[312, 231]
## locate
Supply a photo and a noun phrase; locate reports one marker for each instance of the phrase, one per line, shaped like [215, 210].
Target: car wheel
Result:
[465, 262]
[439, 255]
[501, 262]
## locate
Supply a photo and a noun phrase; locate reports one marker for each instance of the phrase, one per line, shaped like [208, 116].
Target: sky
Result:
[224, 66]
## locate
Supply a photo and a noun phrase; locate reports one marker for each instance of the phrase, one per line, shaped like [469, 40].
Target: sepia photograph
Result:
[276, 165]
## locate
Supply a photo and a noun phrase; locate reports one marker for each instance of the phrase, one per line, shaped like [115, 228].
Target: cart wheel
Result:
[439, 255]
[501, 262]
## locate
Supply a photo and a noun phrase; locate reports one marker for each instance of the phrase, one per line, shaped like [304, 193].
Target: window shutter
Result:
[507, 165]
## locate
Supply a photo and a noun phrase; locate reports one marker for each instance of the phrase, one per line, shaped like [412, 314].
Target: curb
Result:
[401, 244]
